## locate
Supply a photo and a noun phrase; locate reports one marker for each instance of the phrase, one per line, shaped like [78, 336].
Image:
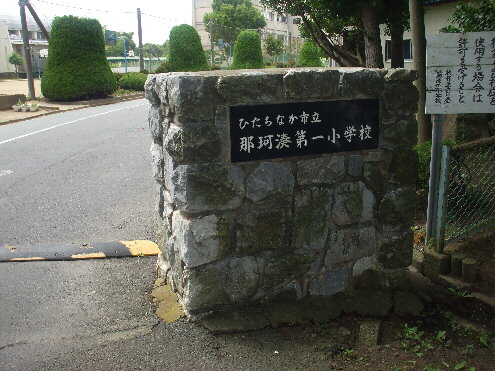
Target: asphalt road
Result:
[77, 177]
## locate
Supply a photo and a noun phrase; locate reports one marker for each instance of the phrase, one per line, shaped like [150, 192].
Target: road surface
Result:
[77, 177]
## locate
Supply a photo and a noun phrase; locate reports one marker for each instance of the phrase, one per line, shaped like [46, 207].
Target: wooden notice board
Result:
[460, 73]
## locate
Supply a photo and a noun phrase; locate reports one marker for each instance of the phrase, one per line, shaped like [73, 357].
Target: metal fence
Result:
[466, 204]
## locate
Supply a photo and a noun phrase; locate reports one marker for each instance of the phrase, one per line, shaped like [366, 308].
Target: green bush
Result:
[214, 67]
[145, 71]
[310, 55]
[77, 67]
[424, 156]
[280, 65]
[118, 76]
[186, 52]
[164, 67]
[247, 51]
[133, 81]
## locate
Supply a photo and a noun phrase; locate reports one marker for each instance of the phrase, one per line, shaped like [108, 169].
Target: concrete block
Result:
[469, 269]
[435, 264]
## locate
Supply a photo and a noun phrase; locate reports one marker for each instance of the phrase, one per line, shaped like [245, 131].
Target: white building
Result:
[437, 16]
[37, 41]
[6, 69]
[285, 26]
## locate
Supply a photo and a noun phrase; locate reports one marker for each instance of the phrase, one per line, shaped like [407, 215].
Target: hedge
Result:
[186, 52]
[247, 51]
[133, 81]
[77, 67]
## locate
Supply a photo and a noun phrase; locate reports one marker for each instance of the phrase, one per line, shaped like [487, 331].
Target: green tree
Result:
[16, 60]
[346, 30]
[273, 46]
[310, 55]
[186, 52]
[115, 46]
[473, 16]
[153, 50]
[247, 51]
[76, 67]
[230, 17]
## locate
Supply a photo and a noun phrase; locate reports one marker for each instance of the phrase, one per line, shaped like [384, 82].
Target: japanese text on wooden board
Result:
[268, 131]
[460, 76]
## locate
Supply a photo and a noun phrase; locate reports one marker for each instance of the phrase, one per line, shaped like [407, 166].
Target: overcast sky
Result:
[158, 16]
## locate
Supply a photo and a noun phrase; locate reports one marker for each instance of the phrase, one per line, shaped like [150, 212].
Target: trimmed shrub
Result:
[424, 156]
[247, 51]
[214, 67]
[133, 81]
[77, 67]
[145, 71]
[310, 55]
[186, 52]
[164, 67]
[118, 76]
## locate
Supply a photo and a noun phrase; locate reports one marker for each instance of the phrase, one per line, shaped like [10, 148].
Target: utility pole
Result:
[212, 45]
[38, 20]
[140, 37]
[27, 49]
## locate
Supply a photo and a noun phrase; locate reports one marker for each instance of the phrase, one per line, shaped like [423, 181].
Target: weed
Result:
[468, 349]
[459, 293]
[414, 340]
[349, 353]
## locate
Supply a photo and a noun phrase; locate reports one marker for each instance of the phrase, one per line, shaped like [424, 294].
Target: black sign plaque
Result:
[260, 132]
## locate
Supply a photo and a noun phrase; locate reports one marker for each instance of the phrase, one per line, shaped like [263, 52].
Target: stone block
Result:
[396, 252]
[469, 269]
[330, 283]
[435, 264]
[401, 74]
[400, 132]
[260, 230]
[300, 84]
[322, 170]
[369, 333]
[404, 167]
[374, 174]
[157, 161]
[155, 120]
[203, 187]
[366, 302]
[418, 259]
[400, 99]
[196, 142]
[311, 219]
[407, 303]
[150, 90]
[397, 206]
[251, 87]
[355, 166]
[350, 244]
[456, 264]
[239, 320]
[271, 182]
[353, 203]
[191, 95]
[241, 278]
[360, 82]
[202, 240]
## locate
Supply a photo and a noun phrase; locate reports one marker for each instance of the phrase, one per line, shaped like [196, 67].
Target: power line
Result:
[79, 8]
[165, 18]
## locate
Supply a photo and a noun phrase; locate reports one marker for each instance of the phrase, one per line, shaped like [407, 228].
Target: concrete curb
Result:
[86, 104]
[99, 250]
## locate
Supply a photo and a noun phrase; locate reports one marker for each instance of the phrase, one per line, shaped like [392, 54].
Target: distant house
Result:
[37, 41]
[437, 16]
[6, 69]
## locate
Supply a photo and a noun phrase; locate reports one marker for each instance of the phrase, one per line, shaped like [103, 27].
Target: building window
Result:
[406, 47]
[271, 16]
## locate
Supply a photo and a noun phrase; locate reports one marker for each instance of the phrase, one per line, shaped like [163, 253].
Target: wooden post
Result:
[27, 50]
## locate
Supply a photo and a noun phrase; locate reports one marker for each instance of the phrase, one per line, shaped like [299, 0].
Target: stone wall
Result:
[244, 233]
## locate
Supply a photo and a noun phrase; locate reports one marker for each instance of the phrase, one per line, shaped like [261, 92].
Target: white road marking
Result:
[70, 122]
[5, 172]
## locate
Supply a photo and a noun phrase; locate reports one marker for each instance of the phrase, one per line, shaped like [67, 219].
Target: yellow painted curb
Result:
[141, 247]
[94, 255]
[26, 259]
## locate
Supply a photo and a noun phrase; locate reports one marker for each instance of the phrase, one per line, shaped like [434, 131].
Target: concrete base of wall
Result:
[7, 75]
[7, 101]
